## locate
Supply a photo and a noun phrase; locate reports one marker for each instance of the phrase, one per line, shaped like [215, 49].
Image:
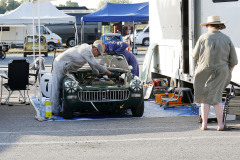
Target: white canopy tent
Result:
[27, 13]
[49, 14]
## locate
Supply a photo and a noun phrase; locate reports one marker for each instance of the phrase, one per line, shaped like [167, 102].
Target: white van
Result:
[142, 37]
[14, 35]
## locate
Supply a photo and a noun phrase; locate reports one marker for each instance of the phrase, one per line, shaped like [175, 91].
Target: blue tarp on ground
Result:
[112, 12]
[151, 110]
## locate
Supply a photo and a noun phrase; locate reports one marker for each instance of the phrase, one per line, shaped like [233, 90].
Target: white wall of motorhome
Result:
[228, 12]
[14, 35]
[166, 29]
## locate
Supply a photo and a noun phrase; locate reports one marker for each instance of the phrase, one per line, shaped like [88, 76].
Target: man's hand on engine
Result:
[113, 76]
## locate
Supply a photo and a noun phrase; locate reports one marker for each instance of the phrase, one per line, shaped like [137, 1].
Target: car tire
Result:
[46, 54]
[138, 112]
[66, 112]
[71, 42]
[51, 46]
[24, 54]
[145, 42]
[3, 55]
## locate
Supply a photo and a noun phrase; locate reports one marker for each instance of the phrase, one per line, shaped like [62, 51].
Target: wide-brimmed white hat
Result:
[212, 20]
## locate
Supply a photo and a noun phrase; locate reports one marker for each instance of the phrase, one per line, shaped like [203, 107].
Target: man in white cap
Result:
[71, 60]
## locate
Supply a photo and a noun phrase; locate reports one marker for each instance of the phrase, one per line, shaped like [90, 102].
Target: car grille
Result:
[101, 96]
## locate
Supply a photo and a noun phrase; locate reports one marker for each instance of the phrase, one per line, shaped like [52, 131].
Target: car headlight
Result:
[71, 86]
[136, 85]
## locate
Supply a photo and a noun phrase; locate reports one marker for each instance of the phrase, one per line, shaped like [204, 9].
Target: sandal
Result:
[203, 129]
[225, 128]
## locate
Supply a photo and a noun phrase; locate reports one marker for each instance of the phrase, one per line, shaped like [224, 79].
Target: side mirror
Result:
[130, 67]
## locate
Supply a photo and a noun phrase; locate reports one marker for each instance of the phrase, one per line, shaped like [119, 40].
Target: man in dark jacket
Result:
[120, 48]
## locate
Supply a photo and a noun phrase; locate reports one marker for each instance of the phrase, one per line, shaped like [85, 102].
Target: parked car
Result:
[108, 37]
[84, 91]
[28, 45]
[141, 37]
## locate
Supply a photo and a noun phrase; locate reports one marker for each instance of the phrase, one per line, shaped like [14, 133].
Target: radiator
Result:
[102, 96]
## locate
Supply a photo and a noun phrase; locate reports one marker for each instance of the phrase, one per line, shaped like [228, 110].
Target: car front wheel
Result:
[71, 42]
[66, 112]
[138, 112]
[145, 42]
[46, 54]
[51, 46]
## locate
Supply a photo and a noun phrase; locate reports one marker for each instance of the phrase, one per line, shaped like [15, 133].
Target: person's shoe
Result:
[57, 114]
[225, 128]
[201, 128]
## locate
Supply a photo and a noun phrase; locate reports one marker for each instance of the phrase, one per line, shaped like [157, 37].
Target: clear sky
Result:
[90, 3]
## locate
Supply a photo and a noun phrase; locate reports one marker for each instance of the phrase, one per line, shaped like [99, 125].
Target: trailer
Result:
[14, 35]
[174, 29]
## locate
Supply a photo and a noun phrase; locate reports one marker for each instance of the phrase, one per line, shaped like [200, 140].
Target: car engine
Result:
[102, 80]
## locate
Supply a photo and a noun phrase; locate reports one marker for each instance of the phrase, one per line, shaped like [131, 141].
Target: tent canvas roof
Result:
[48, 14]
[112, 12]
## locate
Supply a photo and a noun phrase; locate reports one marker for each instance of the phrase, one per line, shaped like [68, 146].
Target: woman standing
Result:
[215, 58]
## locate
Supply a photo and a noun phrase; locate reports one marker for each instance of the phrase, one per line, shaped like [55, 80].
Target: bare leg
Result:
[219, 113]
[205, 110]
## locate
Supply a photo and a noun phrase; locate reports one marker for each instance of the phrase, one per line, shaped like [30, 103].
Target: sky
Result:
[90, 3]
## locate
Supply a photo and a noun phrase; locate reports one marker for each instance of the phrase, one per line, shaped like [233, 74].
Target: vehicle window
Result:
[217, 1]
[113, 61]
[147, 30]
[4, 28]
[42, 30]
[30, 39]
[112, 38]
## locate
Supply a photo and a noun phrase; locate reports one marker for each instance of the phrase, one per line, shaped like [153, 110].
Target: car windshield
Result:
[30, 39]
[112, 38]
[115, 61]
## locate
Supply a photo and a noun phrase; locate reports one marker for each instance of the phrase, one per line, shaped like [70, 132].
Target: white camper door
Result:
[165, 30]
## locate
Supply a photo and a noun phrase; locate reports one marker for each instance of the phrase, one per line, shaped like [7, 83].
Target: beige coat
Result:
[215, 55]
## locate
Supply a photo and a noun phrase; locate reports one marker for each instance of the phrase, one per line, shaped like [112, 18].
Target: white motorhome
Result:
[174, 30]
[14, 35]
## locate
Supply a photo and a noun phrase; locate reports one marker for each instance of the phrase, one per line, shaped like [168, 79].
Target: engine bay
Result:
[102, 79]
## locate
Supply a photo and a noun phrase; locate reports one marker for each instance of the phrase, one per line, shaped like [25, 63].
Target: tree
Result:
[12, 4]
[69, 3]
[103, 2]
[8, 5]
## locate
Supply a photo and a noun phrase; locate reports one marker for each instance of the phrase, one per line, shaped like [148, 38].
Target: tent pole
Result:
[76, 34]
[33, 32]
[133, 37]
[1, 38]
[34, 53]
[39, 50]
[83, 32]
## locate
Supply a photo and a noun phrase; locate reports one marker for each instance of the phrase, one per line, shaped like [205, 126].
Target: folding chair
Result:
[232, 103]
[17, 79]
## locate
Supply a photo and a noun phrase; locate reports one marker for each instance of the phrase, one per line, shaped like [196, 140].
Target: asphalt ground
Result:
[22, 137]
